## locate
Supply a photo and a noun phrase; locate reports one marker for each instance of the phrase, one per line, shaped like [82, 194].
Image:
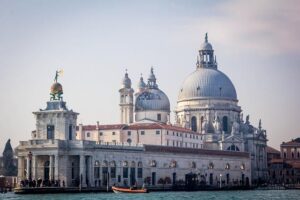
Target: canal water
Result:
[200, 195]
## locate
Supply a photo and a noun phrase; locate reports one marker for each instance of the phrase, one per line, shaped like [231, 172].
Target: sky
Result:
[256, 42]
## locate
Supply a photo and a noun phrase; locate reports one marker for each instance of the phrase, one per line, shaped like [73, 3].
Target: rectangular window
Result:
[173, 143]
[70, 132]
[140, 173]
[113, 133]
[176, 134]
[101, 133]
[158, 117]
[125, 172]
[173, 133]
[167, 132]
[185, 135]
[50, 132]
[129, 133]
[142, 132]
[157, 132]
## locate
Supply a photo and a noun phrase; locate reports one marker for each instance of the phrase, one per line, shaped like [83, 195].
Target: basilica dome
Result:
[207, 83]
[152, 99]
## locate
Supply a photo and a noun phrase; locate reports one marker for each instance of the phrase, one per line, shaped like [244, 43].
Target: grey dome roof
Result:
[206, 46]
[152, 99]
[207, 83]
[141, 83]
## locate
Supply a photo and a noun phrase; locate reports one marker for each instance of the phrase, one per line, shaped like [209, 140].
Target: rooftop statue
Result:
[56, 89]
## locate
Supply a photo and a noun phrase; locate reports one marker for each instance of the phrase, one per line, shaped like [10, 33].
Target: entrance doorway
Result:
[46, 170]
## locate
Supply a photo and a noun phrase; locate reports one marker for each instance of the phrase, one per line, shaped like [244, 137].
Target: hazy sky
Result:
[256, 42]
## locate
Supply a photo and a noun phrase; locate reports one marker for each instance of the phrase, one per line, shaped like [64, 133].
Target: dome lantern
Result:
[206, 55]
[152, 80]
[141, 84]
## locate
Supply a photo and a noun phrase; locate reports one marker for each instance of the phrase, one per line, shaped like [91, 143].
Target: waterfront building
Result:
[209, 138]
[208, 104]
[286, 169]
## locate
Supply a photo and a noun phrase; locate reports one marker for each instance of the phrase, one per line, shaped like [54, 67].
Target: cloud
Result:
[264, 27]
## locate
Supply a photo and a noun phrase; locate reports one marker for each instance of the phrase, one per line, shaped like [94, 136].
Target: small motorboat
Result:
[128, 190]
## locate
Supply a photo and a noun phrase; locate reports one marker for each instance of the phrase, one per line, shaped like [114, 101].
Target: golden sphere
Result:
[56, 88]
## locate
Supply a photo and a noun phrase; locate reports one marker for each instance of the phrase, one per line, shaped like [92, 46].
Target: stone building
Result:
[209, 137]
[286, 169]
[208, 104]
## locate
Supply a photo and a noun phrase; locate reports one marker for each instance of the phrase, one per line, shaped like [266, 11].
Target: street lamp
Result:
[220, 181]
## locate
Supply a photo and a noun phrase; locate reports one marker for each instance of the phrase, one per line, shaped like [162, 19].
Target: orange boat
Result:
[128, 190]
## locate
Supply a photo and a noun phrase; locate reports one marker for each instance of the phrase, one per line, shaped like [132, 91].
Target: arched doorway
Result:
[46, 170]
[194, 123]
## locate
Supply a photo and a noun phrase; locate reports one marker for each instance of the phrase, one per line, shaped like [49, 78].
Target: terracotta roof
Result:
[276, 160]
[272, 150]
[101, 127]
[166, 149]
[139, 126]
[292, 142]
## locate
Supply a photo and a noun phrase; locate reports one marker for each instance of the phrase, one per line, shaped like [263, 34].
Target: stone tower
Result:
[56, 121]
[126, 100]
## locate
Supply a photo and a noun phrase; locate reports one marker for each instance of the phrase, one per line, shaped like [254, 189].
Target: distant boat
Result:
[128, 190]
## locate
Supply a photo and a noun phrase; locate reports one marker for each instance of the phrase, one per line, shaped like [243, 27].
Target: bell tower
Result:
[126, 100]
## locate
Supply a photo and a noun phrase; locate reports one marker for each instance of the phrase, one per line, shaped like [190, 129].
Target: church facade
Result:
[208, 104]
[208, 139]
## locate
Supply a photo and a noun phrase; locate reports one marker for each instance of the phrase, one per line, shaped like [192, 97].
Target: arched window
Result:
[140, 170]
[227, 166]
[97, 170]
[112, 169]
[225, 123]
[129, 141]
[211, 165]
[125, 169]
[194, 124]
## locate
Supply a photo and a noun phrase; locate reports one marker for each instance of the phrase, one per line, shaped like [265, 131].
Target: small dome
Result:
[152, 99]
[126, 82]
[56, 88]
[206, 46]
[141, 84]
[207, 83]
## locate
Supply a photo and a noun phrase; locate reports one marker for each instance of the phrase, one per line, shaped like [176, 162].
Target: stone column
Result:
[33, 167]
[27, 168]
[82, 174]
[21, 167]
[56, 164]
[92, 175]
[51, 174]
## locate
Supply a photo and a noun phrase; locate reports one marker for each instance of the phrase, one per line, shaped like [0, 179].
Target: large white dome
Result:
[207, 83]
